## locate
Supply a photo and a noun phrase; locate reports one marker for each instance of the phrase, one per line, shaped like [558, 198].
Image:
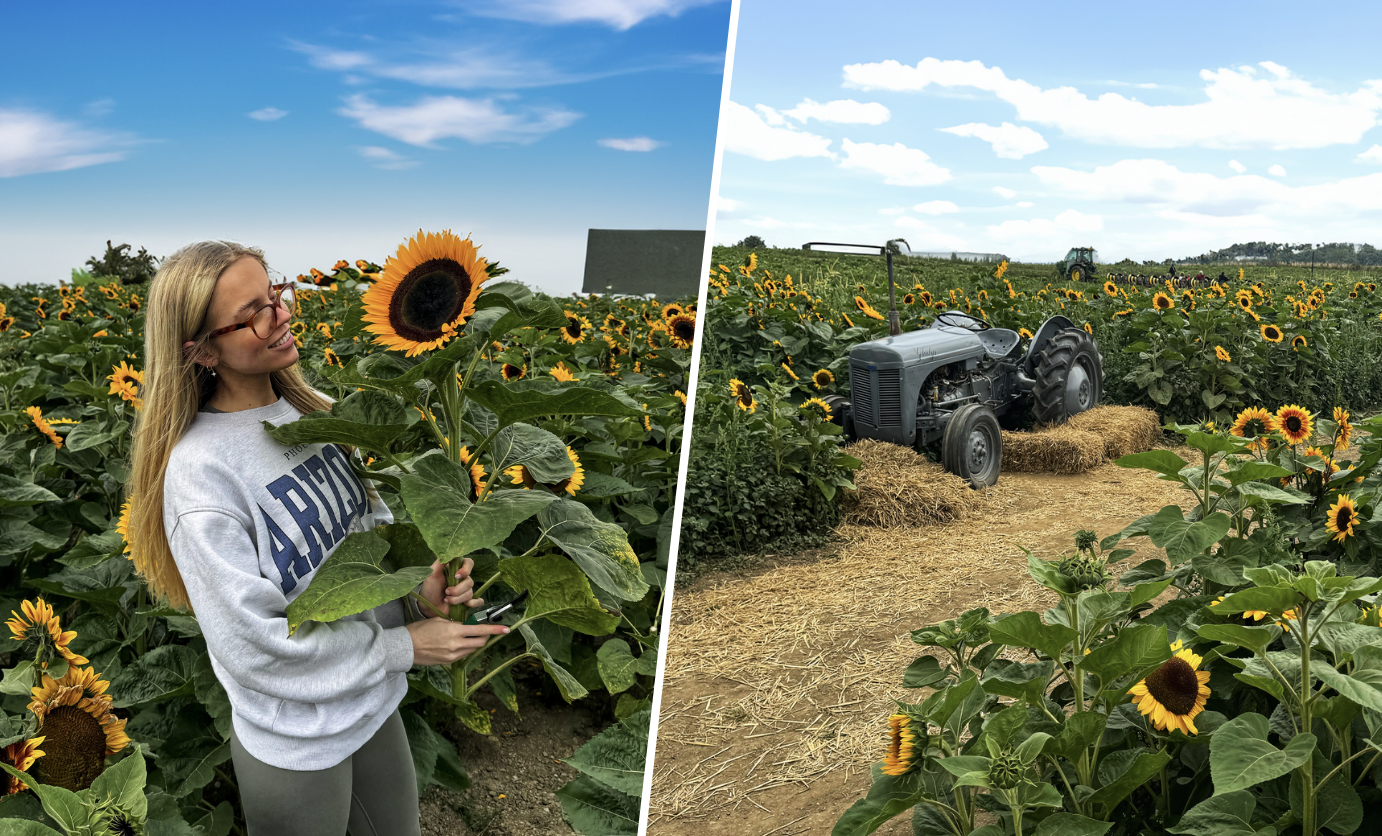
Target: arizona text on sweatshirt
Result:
[249, 522]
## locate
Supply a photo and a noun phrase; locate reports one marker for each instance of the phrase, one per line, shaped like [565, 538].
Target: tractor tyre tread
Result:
[1048, 395]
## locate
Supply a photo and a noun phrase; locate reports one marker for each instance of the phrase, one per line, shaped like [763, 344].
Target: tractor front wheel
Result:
[1078, 274]
[973, 445]
[1069, 377]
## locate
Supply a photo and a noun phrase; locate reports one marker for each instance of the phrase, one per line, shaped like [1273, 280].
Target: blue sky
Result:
[319, 131]
[1145, 130]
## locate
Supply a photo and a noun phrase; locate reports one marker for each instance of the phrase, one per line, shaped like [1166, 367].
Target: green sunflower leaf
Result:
[543, 454]
[570, 687]
[62, 805]
[601, 549]
[558, 591]
[1240, 756]
[437, 495]
[511, 407]
[352, 580]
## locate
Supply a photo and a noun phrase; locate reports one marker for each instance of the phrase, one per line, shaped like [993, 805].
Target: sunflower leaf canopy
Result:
[352, 580]
[1183, 539]
[1240, 756]
[163, 673]
[437, 495]
[543, 454]
[600, 548]
[511, 405]
[1136, 648]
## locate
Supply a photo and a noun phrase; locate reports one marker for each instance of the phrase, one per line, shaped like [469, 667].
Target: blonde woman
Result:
[233, 525]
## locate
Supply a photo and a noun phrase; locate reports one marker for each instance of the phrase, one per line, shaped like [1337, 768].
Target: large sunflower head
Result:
[1342, 515]
[40, 634]
[1254, 423]
[743, 395]
[1295, 424]
[21, 756]
[1271, 333]
[78, 734]
[822, 378]
[85, 681]
[1174, 693]
[576, 328]
[682, 329]
[1162, 302]
[901, 746]
[124, 375]
[427, 291]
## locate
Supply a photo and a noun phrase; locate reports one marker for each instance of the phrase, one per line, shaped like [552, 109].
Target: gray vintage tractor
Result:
[950, 382]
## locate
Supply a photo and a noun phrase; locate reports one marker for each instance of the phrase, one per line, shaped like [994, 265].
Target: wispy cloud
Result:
[725, 204]
[35, 143]
[1004, 192]
[453, 117]
[1009, 141]
[381, 157]
[899, 165]
[268, 114]
[440, 65]
[618, 14]
[1237, 166]
[840, 111]
[99, 108]
[636, 143]
[1242, 109]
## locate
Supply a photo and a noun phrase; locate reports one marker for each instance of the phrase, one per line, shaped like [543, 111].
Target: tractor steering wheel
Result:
[972, 321]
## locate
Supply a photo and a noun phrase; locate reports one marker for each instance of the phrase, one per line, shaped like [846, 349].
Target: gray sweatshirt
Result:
[249, 520]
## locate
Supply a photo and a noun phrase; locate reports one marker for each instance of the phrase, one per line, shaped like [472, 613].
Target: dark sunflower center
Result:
[1343, 518]
[431, 295]
[1273, 334]
[1293, 424]
[74, 749]
[573, 327]
[120, 825]
[1174, 685]
[684, 329]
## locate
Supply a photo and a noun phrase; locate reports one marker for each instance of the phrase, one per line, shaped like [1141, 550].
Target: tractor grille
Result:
[861, 392]
[890, 398]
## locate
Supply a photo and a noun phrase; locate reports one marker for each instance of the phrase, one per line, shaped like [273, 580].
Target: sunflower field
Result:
[538, 436]
[1231, 685]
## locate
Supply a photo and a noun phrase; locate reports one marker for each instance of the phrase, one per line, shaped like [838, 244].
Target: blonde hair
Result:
[174, 388]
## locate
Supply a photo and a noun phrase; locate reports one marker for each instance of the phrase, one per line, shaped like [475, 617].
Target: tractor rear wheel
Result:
[1078, 274]
[1069, 377]
[973, 445]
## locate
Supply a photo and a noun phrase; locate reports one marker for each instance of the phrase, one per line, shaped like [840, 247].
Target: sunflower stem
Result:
[1308, 826]
[498, 668]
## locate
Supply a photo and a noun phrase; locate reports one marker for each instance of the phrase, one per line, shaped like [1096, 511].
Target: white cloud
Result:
[1372, 155]
[1145, 85]
[1241, 109]
[746, 133]
[1005, 193]
[770, 116]
[619, 14]
[1237, 166]
[1038, 233]
[636, 143]
[445, 117]
[384, 158]
[34, 143]
[899, 165]
[840, 111]
[1277, 171]
[1008, 140]
[1024, 204]
[268, 114]
[469, 68]
[935, 207]
[725, 204]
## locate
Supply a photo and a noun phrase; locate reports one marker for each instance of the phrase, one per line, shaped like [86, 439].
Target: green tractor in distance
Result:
[1079, 265]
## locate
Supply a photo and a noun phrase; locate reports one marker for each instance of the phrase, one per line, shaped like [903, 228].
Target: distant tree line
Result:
[1362, 255]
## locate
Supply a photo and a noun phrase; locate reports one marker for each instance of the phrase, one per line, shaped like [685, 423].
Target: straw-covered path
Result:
[779, 679]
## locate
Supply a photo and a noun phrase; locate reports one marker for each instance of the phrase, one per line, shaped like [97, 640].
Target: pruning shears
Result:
[491, 615]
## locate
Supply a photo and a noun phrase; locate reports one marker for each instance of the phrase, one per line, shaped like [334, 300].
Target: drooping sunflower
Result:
[1222, 354]
[822, 378]
[682, 329]
[866, 308]
[743, 395]
[511, 372]
[1295, 424]
[819, 405]
[681, 396]
[561, 372]
[1342, 515]
[78, 734]
[40, 634]
[21, 756]
[1174, 693]
[789, 371]
[43, 426]
[901, 744]
[123, 526]
[1344, 433]
[1254, 423]
[1271, 333]
[575, 329]
[1162, 302]
[427, 291]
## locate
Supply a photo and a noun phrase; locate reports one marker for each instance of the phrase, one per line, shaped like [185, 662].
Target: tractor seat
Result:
[999, 342]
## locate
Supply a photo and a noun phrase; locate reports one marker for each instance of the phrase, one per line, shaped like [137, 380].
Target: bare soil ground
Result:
[780, 677]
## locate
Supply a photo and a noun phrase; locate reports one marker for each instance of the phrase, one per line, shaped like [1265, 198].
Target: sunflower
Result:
[330, 357]
[817, 403]
[78, 734]
[1174, 693]
[1325, 457]
[520, 475]
[427, 290]
[86, 681]
[477, 470]
[672, 310]
[1254, 423]
[899, 758]
[575, 329]
[561, 372]
[752, 262]
[5, 323]
[124, 375]
[1342, 515]
[21, 756]
[1024, 333]
[789, 371]
[511, 372]
[1162, 302]
[123, 526]
[822, 378]
[1295, 424]
[1286, 619]
[1298, 341]
[743, 395]
[656, 334]
[866, 308]
[1244, 299]
[43, 426]
[682, 329]
[1345, 429]
[647, 421]
[1222, 354]
[925, 298]
[38, 629]
[1271, 333]
[1111, 289]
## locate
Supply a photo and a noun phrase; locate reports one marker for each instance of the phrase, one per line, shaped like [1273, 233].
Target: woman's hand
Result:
[438, 641]
[442, 598]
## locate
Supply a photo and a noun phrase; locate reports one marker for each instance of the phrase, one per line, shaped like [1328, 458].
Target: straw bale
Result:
[898, 486]
[1124, 429]
[1061, 449]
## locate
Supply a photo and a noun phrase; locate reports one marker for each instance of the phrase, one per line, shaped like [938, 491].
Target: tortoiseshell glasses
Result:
[262, 322]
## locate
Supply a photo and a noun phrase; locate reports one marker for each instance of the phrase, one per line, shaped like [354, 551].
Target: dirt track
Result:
[779, 679]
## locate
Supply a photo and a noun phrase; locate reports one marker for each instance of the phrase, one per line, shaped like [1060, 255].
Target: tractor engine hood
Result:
[932, 346]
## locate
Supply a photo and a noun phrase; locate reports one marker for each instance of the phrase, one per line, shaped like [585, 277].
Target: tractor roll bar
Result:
[894, 319]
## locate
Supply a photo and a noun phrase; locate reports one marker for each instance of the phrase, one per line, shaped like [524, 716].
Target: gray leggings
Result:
[371, 793]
